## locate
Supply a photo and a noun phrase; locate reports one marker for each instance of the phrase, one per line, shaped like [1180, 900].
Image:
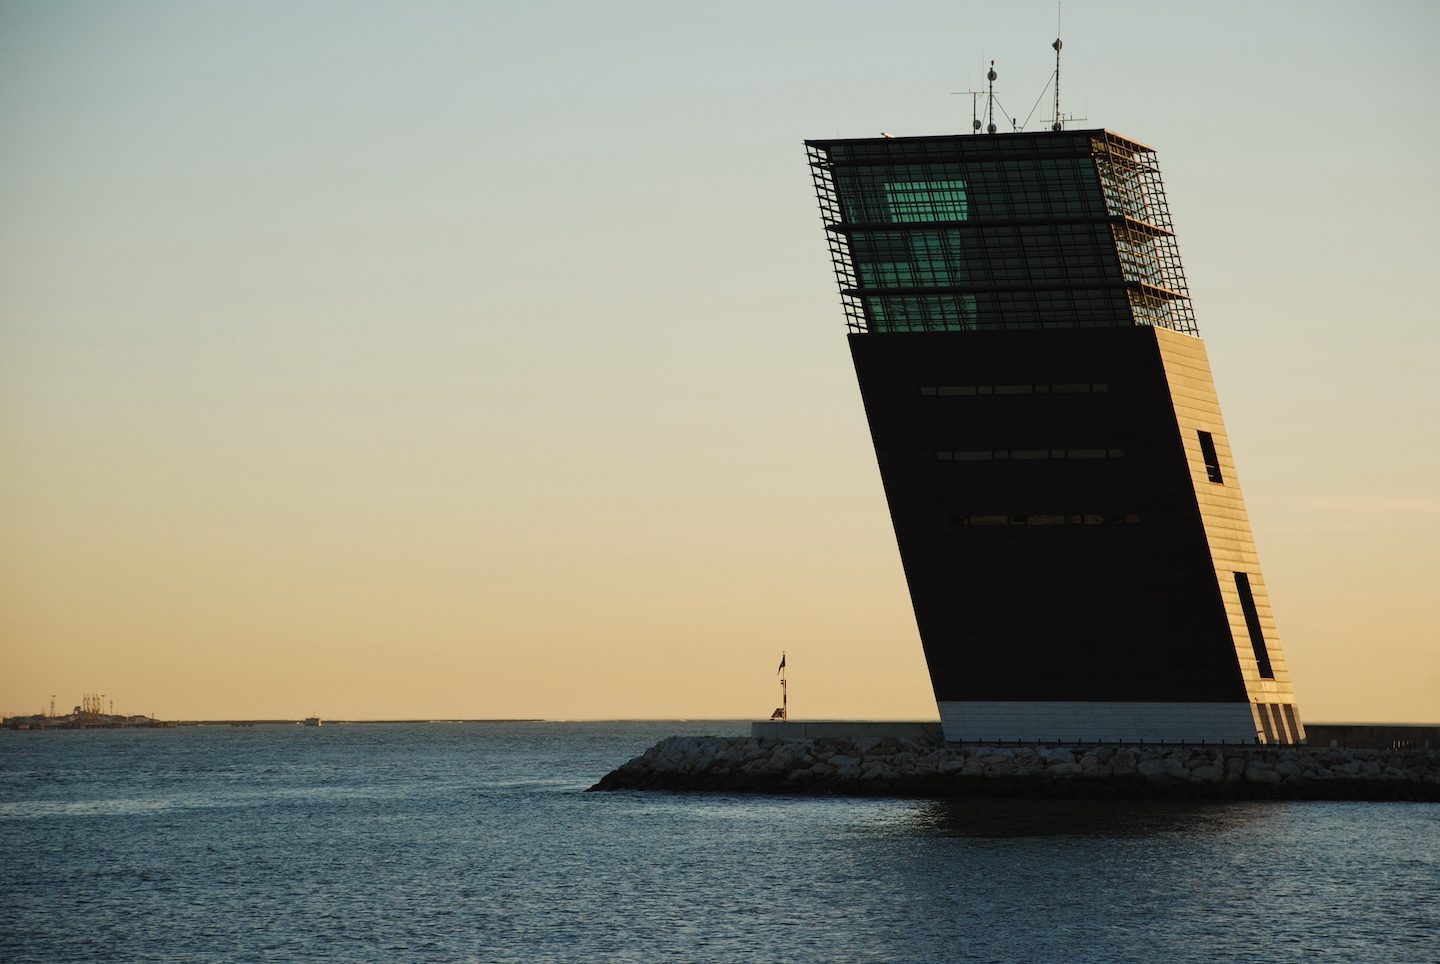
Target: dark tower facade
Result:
[1058, 474]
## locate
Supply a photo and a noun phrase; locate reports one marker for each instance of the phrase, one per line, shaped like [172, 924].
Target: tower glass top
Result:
[965, 232]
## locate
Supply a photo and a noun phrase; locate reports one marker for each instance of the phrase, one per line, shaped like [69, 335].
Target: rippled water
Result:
[476, 842]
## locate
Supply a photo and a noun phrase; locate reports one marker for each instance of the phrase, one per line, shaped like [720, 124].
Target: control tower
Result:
[1061, 484]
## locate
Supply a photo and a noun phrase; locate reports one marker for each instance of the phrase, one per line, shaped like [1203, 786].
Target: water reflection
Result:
[1013, 818]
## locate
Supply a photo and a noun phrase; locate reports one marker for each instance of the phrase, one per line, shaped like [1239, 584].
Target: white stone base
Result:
[1047, 722]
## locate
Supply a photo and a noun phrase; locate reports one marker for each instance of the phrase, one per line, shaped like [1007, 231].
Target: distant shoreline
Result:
[328, 722]
[40, 725]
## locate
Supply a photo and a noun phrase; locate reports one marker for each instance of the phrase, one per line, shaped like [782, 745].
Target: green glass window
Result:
[892, 259]
[928, 313]
[909, 201]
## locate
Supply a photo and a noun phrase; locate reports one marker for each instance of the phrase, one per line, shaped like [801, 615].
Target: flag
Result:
[782, 664]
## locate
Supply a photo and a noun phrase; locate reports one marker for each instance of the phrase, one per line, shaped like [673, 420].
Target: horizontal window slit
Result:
[1027, 455]
[966, 391]
[1045, 519]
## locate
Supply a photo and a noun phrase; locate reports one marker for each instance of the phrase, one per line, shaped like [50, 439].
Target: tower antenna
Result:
[1057, 126]
[974, 106]
[990, 107]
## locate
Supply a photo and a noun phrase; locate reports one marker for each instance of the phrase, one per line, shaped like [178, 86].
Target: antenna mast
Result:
[990, 107]
[974, 107]
[1057, 126]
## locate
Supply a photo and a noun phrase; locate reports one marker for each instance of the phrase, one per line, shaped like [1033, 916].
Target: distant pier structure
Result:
[90, 714]
[1059, 477]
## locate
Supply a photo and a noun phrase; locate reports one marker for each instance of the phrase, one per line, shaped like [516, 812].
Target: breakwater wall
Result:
[1375, 736]
[871, 766]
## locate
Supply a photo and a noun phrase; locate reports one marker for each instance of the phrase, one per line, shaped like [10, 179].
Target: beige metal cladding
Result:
[1227, 530]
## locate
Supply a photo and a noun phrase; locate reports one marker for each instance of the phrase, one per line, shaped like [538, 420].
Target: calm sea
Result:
[476, 842]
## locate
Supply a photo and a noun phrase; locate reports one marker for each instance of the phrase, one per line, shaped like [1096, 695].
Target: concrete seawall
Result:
[889, 766]
[1375, 736]
[923, 731]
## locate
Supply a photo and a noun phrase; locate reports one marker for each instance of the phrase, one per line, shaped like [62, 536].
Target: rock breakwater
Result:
[891, 767]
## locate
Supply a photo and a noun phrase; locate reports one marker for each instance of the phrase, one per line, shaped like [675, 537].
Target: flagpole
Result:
[784, 691]
[782, 712]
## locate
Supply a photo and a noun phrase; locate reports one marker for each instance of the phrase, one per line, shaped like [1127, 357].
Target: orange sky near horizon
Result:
[422, 361]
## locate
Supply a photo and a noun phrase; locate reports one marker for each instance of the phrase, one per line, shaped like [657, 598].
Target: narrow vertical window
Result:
[1290, 719]
[1252, 623]
[1264, 715]
[1212, 461]
[1287, 735]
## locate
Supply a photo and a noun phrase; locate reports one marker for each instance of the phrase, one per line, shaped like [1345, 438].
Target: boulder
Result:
[1258, 772]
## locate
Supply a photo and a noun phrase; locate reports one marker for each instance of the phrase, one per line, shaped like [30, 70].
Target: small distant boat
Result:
[312, 721]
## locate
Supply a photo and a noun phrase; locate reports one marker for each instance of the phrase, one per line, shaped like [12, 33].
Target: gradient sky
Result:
[438, 359]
